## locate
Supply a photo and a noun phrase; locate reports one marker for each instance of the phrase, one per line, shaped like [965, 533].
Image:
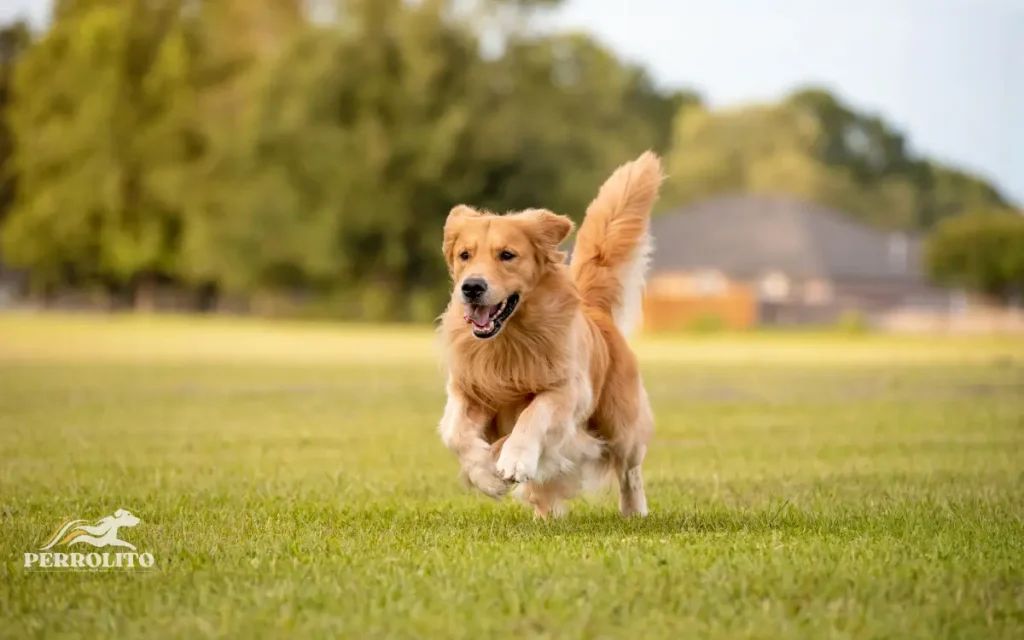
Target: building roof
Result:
[746, 236]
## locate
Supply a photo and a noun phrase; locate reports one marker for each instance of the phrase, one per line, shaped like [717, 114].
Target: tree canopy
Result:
[981, 251]
[814, 147]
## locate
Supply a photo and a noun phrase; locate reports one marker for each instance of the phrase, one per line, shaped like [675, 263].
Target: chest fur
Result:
[512, 380]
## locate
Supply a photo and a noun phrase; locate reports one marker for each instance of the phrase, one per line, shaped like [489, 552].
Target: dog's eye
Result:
[506, 255]
[464, 255]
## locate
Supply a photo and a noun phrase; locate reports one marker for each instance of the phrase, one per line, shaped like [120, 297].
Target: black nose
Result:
[473, 288]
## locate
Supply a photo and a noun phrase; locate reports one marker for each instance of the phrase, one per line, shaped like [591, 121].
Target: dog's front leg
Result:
[547, 419]
[462, 431]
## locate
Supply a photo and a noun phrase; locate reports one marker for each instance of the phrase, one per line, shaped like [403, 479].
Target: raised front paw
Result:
[518, 461]
[486, 479]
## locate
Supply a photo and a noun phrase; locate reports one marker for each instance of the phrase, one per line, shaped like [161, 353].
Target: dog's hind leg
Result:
[628, 454]
[632, 499]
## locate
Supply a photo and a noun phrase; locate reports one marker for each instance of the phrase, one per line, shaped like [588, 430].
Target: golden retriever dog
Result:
[543, 389]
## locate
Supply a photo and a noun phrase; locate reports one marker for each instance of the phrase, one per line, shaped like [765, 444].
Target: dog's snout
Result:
[473, 288]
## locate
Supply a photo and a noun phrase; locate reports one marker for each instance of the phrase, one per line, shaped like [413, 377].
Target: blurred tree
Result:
[557, 114]
[103, 121]
[14, 41]
[368, 130]
[982, 251]
[948, 191]
[813, 147]
[63, 10]
[862, 144]
[657, 107]
[234, 41]
[750, 149]
[900, 190]
[345, 160]
[259, 147]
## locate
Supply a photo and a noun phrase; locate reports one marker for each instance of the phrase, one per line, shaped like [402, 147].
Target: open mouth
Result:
[487, 320]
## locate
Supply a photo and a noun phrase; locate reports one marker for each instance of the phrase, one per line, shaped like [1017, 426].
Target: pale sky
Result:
[940, 70]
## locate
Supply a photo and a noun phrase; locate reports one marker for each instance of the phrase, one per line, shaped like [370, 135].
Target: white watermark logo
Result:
[100, 534]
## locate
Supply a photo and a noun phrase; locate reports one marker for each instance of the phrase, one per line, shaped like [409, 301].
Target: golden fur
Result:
[554, 399]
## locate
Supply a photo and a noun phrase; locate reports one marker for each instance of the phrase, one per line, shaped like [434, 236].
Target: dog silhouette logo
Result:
[102, 533]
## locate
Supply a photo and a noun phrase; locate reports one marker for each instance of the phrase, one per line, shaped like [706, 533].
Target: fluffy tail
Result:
[613, 246]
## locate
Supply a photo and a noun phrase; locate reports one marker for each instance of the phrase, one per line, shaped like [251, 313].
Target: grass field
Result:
[290, 483]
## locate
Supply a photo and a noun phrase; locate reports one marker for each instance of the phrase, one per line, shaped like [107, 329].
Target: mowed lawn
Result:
[290, 483]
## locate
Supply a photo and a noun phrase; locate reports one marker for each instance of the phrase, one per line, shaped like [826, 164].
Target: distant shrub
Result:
[981, 251]
[707, 323]
[426, 306]
[378, 304]
[852, 322]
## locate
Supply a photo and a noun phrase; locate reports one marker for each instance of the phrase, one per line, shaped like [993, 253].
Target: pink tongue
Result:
[480, 315]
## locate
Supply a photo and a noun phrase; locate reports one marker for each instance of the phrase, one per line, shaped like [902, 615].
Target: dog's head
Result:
[497, 260]
[125, 518]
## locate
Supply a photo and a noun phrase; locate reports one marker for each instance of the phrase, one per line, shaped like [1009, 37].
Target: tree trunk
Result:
[145, 294]
[207, 298]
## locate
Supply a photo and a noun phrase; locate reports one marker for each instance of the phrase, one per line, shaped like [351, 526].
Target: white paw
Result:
[518, 463]
[486, 480]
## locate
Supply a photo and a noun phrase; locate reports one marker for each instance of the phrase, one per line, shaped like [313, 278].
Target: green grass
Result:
[291, 483]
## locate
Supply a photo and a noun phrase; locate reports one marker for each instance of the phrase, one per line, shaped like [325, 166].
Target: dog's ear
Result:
[550, 229]
[451, 227]
[461, 211]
